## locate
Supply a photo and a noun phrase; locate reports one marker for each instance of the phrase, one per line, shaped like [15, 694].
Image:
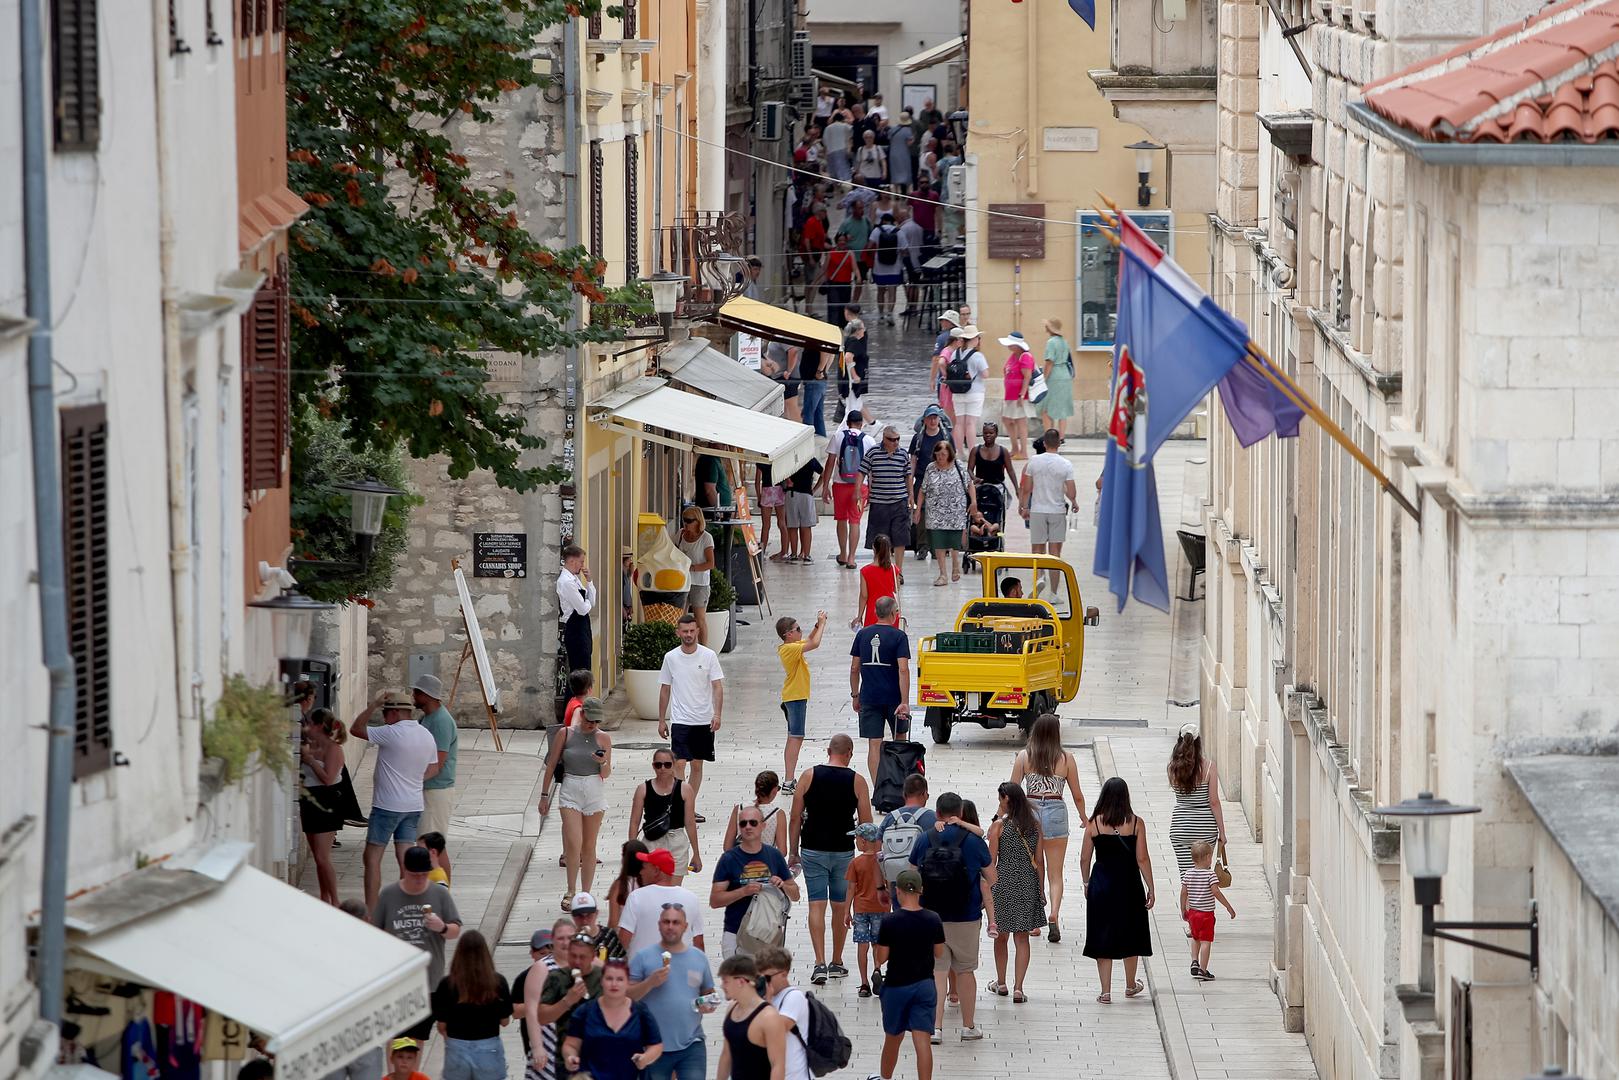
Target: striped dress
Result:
[1193, 820]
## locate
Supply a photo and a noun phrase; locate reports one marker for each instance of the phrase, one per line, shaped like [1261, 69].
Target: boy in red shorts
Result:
[1199, 890]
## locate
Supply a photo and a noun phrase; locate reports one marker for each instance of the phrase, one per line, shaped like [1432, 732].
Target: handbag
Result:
[1222, 869]
[1037, 387]
[764, 924]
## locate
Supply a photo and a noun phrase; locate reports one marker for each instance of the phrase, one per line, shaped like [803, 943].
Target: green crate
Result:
[970, 641]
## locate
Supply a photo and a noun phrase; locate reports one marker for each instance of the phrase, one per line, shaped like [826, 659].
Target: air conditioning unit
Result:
[801, 95]
[801, 54]
[958, 185]
[772, 120]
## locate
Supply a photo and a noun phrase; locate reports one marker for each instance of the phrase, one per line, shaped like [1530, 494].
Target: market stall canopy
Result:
[939, 54]
[320, 985]
[778, 324]
[836, 82]
[700, 366]
[725, 430]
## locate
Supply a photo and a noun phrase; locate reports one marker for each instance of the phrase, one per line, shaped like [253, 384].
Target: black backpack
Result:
[826, 1049]
[887, 242]
[958, 375]
[945, 888]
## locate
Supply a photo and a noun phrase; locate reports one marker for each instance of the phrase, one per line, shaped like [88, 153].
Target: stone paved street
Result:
[1135, 664]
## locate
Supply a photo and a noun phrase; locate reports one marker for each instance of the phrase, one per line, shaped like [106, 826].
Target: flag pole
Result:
[1261, 361]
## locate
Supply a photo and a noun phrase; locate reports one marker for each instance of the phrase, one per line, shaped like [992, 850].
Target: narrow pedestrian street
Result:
[1123, 721]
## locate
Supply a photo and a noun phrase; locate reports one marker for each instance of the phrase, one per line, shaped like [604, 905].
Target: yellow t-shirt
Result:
[437, 874]
[795, 687]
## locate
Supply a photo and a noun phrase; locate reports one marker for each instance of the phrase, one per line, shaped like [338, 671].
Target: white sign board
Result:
[1071, 138]
[750, 351]
[480, 654]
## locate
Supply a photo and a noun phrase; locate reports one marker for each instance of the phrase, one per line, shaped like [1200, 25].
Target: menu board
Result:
[500, 555]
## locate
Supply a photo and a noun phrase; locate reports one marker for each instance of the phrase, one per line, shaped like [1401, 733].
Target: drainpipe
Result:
[1031, 72]
[47, 523]
[573, 167]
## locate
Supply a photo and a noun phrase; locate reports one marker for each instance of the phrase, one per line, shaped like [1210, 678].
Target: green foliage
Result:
[394, 298]
[249, 720]
[322, 457]
[645, 644]
[721, 593]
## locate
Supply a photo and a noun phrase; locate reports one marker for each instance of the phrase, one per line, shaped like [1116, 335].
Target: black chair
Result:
[1195, 547]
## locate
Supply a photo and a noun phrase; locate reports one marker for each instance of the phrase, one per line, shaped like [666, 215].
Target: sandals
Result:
[1104, 999]
[1019, 997]
[1137, 990]
[567, 902]
[998, 989]
[938, 581]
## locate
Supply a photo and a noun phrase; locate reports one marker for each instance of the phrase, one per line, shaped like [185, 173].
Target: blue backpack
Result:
[850, 453]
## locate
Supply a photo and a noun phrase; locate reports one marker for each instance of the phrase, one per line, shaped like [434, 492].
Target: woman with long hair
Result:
[584, 754]
[1117, 868]
[878, 579]
[1017, 869]
[766, 786]
[943, 505]
[471, 1004]
[1045, 770]
[627, 881]
[1197, 815]
[612, 1037]
[320, 792]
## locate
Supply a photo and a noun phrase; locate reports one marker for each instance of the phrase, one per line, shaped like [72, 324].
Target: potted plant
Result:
[721, 611]
[644, 646]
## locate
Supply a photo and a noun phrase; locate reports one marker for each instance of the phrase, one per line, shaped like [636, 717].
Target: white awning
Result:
[703, 367]
[725, 430]
[939, 54]
[322, 986]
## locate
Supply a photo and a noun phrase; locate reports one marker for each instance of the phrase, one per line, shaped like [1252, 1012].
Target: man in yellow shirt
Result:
[795, 686]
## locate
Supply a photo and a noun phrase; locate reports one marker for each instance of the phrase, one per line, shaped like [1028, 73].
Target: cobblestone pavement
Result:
[1135, 663]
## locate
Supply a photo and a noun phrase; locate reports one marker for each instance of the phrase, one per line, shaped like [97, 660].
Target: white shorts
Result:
[436, 804]
[679, 845]
[585, 794]
[1048, 528]
[970, 404]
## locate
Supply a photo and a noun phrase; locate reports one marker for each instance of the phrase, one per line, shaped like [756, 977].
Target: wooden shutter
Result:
[265, 384]
[244, 25]
[632, 209]
[278, 16]
[84, 542]
[261, 16]
[76, 74]
[594, 29]
[631, 10]
[597, 168]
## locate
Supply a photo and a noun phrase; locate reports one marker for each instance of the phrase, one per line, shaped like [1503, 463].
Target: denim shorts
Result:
[687, 1063]
[865, 927]
[909, 1008]
[823, 875]
[474, 1059]
[392, 826]
[1053, 815]
[795, 712]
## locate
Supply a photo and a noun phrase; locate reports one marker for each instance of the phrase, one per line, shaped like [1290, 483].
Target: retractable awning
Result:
[676, 418]
[322, 986]
[939, 54]
[702, 367]
[777, 324]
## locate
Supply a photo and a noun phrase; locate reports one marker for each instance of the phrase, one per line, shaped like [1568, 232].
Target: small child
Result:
[404, 1055]
[1199, 890]
[434, 843]
[982, 526]
[868, 891]
[795, 686]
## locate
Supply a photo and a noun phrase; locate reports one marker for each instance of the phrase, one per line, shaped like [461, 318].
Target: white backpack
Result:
[899, 839]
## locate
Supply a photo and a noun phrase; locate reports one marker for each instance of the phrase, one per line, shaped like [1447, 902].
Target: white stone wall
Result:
[1579, 983]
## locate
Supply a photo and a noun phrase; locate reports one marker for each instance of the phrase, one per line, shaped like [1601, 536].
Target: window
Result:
[598, 165]
[632, 207]
[265, 384]
[84, 543]
[76, 74]
[1096, 284]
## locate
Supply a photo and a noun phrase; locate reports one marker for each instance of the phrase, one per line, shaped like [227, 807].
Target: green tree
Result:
[393, 296]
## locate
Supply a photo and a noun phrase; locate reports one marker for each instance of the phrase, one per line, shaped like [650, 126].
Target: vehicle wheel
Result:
[938, 720]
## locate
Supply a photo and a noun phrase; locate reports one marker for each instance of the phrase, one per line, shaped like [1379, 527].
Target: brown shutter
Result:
[261, 16]
[278, 17]
[76, 74]
[84, 542]
[631, 10]
[244, 26]
[594, 30]
[265, 384]
[632, 209]
[598, 166]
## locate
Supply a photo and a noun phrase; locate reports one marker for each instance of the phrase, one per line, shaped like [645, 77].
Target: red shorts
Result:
[1202, 924]
[845, 501]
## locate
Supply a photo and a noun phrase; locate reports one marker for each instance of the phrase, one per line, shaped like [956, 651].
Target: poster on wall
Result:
[748, 350]
[913, 96]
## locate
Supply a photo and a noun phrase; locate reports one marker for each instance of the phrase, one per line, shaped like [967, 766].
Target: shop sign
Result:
[345, 1037]
[500, 555]
[750, 351]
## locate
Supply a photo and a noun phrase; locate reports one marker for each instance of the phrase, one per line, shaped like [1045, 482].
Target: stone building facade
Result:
[1444, 290]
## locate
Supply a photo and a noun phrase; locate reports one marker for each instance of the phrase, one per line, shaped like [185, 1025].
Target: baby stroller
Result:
[992, 504]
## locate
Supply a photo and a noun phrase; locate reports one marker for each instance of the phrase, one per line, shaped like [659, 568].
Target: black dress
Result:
[1116, 902]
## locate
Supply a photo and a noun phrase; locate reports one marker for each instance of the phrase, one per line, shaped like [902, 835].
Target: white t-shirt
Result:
[697, 551]
[792, 1004]
[1048, 475]
[404, 752]
[977, 367]
[645, 905]
[688, 675]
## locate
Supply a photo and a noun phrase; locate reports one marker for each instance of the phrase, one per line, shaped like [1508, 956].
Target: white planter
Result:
[642, 688]
[719, 628]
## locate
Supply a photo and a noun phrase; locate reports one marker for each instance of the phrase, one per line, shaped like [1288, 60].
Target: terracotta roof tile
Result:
[1551, 78]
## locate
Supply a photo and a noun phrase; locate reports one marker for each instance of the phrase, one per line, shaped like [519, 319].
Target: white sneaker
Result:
[937, 1036]
[971, 1034]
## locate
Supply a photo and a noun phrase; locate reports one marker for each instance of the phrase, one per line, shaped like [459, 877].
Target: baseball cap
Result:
[909, 881]
[429, 685]
[541, 939]
[592, 708]
[418, 861]
[404, 1044]
[662, 858]
[867, 830]
[582, 902]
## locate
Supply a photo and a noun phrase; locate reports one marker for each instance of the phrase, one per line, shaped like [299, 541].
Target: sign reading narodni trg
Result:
[1016, 230]
[500, 555]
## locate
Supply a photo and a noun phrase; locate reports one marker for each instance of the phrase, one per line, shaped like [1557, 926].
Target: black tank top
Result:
[829, 810]
[990, 472]
[748, 1062]
[662, 814]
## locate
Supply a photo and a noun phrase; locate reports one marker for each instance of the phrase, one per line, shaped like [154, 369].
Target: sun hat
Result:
[1015, 340]
[952, 316]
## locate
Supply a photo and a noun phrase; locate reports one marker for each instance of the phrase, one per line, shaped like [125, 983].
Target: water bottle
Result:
[713, 1000]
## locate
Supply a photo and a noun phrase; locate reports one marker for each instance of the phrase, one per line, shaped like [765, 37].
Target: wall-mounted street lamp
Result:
[368, 503]
[292, 623]
[958, 124]
[665, 286]
[1425, 847]
[1145, 149]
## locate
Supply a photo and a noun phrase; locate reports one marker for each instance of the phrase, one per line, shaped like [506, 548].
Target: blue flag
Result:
[1171, 348]
[1085, 9]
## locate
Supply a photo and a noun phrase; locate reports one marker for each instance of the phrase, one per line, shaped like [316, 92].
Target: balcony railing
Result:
[708, 249]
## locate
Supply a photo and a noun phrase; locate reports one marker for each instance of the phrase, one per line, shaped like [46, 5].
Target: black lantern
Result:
[368, 504]
[1145, 149]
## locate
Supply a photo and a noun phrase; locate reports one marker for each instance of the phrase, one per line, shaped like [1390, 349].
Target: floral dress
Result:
[945, 494]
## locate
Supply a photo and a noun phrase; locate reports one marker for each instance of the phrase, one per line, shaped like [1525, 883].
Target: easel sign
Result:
[476, 649]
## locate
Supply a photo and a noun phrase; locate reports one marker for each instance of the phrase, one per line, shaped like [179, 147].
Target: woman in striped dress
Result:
[1197, 813]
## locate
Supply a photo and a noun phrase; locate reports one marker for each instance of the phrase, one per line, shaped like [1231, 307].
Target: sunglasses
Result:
[891, 438]
[677, 907]
[750, 822]
[770, 974]
[663, 764]
[691, 521]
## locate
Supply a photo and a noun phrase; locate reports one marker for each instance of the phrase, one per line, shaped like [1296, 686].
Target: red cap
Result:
[660, 858]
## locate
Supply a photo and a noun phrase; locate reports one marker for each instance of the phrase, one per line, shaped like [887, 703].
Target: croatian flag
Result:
[1085, 9]
[1172, 346]
[1254, 406]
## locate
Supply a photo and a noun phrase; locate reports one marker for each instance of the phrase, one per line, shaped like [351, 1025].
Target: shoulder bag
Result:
[1222, 869]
